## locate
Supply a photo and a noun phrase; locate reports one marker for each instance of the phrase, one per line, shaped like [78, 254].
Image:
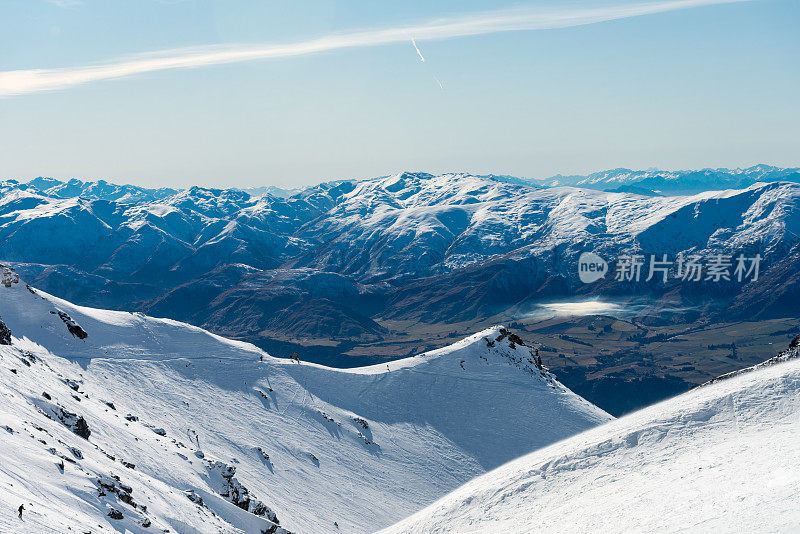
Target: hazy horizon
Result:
[312, 183]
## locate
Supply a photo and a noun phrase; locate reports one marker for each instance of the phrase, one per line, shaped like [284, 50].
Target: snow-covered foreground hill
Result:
[724, 457]
[118, 422]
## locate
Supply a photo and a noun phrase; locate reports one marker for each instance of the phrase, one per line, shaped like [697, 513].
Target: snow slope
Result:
[362, 447]
[724, 457]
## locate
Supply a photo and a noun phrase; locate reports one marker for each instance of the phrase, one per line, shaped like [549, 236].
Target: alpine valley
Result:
[359, 272]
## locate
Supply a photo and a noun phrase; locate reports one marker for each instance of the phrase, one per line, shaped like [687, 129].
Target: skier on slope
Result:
[21, 508]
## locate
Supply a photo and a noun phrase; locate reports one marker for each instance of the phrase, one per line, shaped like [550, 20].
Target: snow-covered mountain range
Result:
[114, 421]
[723, 457]
[658, 182]
[337, 259]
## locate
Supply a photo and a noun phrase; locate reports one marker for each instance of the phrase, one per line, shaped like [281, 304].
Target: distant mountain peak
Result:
[677, 182]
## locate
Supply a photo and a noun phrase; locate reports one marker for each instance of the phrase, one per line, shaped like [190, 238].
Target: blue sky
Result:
[691, 86]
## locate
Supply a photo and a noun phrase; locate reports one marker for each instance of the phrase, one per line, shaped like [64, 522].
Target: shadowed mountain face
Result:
[339, 260]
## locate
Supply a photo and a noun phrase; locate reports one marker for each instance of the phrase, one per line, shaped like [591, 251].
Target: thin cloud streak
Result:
[18, 82]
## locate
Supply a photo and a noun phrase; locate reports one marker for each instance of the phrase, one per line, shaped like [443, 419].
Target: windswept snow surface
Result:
[724, 457]
[171, 410]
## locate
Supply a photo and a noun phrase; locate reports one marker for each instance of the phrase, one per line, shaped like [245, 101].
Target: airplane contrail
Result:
[422, 58]
[419, 53]
[18, 82]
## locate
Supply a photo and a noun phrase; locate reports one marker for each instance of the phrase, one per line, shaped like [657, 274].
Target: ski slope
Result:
[724, 457]
[173, 410]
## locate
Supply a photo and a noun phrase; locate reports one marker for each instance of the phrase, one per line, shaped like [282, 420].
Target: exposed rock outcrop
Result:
[233, 490]
[5, 333]
[76, 423]
[73, 327]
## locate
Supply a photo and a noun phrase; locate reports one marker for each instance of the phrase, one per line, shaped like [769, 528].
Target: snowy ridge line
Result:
[58, 307]
[723, 458]
[791, 353]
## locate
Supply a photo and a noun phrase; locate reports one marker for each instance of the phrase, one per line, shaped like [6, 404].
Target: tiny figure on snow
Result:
[296, 357]
[21, 508]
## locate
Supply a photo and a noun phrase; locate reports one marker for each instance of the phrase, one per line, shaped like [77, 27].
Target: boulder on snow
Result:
[112, 484]
[195, 498]
[74, 422]
[513, 338]
[275, 529]
[73, 327]
[8, 276]
[263, 453]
